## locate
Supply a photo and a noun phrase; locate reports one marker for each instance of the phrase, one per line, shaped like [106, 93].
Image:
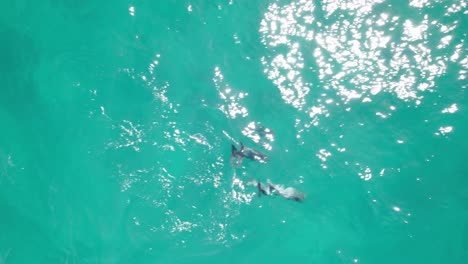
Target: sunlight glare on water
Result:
[371, 62]
[122, 122]
[358, 56]
[231, 106]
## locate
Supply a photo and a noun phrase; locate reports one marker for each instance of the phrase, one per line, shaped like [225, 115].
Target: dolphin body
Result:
[276, 189]
[249, 153]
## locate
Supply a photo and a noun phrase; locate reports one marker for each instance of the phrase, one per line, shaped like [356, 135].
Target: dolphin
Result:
[276, 189]
[249, 153]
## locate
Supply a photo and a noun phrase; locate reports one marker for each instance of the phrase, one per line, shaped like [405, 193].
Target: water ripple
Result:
[172, 174]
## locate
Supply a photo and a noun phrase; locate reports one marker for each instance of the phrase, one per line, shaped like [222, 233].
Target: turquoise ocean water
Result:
[117, 119]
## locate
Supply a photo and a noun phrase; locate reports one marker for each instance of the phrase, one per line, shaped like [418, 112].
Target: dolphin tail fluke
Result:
[262, 189]
[233, 151]
[236, 157]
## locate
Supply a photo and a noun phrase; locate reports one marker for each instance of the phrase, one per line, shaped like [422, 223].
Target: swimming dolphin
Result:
[276, 189]
[249, 153]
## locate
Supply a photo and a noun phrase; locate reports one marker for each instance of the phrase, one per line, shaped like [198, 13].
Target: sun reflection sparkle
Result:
[357, 57]
[231, 105]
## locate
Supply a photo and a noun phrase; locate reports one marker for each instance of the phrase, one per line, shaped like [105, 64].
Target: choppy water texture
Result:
[117, 119]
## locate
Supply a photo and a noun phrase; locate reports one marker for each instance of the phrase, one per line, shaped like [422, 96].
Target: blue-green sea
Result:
[117, 120]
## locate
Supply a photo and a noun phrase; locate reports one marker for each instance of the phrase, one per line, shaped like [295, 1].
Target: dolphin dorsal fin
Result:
[241, 146]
